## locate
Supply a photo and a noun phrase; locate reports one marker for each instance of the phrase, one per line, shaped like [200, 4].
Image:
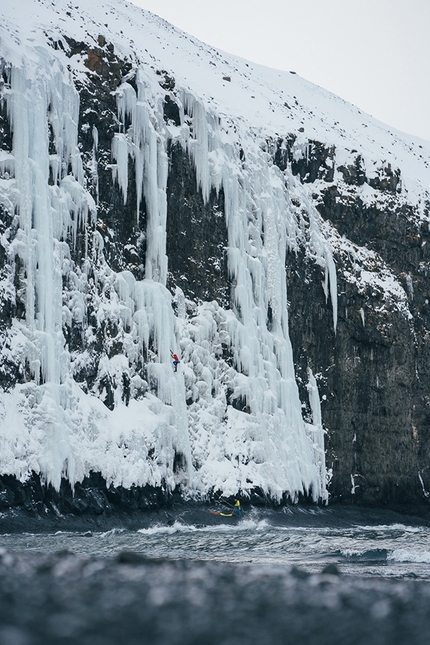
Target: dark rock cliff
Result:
[372, 371]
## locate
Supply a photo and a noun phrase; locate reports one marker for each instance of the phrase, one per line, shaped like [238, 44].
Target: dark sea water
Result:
[312, 576]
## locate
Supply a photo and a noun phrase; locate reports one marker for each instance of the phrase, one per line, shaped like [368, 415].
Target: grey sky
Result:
[373, 53]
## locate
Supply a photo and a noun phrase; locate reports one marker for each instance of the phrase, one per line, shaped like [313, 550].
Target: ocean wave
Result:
[405, 555]
[369, 555]
[393, 527]
[178, 527]
[111, 533]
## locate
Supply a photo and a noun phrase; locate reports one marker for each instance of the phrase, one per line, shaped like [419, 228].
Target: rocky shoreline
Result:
[66, 599]
[93, 505]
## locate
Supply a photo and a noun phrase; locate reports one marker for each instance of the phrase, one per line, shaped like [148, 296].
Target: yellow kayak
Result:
[223, 514]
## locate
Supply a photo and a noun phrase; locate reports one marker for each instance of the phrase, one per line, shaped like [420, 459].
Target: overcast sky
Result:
[373, 53]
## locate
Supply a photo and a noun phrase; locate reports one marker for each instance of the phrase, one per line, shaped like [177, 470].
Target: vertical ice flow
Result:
[187, 419]
[51, 205]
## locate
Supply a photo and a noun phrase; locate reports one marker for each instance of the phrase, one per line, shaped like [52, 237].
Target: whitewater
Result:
[308, 538]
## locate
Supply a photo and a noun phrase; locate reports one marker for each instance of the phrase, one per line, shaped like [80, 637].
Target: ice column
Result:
[47, 209]
[144, 142]
[146, 146]
[52, 204]
[260, 225]
[316, 433]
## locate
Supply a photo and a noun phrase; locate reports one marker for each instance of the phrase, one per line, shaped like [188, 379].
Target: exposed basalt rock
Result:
[387, 179]
[402, 241]
[5, 130]
[389, 230]
[11, 304]
[171, 111]
[366, 381]
[93, 498]
[354, 174]
[196, 234]
[98, 122]
[166, 81]
[310, 160]
[90, 497]
[371, 372]
[7, 299]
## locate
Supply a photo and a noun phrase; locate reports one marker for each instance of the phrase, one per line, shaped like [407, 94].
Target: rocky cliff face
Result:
[372, 371]
[285, 262]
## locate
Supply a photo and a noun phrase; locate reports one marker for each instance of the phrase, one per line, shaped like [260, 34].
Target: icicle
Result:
[95, 173]
[51, 204]
[120, 169]
[317, 434]
[318, 244]
[198, 147]
[145, 145]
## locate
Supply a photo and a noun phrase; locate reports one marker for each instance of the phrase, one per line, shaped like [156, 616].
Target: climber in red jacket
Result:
[175, 360]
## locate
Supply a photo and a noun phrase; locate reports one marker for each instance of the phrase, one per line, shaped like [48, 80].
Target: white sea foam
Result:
[393, 527]
[111, 533]
[177, 527]
[348, 553]
[405, 555]
[223, 526]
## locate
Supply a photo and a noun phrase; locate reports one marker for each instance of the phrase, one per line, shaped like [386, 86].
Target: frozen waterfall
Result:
[176, 429]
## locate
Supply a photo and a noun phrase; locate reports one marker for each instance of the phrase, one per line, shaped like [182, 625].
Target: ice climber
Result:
[175, 360]
[237, 509]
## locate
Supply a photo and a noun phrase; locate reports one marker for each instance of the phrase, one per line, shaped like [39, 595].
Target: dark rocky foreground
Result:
[67, 599]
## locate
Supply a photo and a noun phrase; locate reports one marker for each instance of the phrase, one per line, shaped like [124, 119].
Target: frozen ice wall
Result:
[174, 428]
